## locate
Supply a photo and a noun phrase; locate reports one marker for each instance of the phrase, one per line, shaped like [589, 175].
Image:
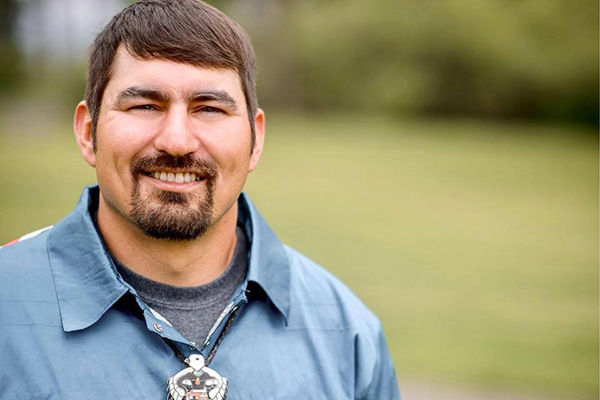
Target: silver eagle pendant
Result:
[197, 382]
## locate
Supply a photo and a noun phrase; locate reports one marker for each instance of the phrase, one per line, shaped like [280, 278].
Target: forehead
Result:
[171, 77]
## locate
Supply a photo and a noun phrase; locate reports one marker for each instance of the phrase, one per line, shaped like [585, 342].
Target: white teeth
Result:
[178, 177]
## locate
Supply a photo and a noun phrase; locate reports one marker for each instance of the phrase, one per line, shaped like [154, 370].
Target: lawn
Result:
[476, 243]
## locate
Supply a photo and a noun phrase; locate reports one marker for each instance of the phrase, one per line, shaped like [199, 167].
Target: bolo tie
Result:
[197, 381]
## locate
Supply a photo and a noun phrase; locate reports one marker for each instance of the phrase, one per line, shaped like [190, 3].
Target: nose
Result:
[176, 135]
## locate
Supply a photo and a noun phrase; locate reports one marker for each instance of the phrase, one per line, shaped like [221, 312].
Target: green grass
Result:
[475, 243]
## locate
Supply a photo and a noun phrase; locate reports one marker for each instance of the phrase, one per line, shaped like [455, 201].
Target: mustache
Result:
[205, 167]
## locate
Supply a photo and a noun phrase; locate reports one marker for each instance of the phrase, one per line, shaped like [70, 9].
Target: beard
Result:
[171, 215]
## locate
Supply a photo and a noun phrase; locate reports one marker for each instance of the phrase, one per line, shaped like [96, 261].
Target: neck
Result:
[178, 263]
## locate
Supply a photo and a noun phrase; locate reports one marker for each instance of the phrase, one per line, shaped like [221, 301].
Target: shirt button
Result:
[157, 327]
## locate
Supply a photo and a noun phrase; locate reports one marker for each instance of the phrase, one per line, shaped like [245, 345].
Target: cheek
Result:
[230, 149]
[120, 142]
[113, 160]
[110, 176]
[233, 161]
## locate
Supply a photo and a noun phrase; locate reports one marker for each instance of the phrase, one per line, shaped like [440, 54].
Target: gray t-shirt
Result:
[192, 310]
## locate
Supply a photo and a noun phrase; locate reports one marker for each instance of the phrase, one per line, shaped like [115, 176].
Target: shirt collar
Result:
[86, 281]
[268, 264]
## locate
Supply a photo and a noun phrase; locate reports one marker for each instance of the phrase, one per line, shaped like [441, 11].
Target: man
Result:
[165, 282]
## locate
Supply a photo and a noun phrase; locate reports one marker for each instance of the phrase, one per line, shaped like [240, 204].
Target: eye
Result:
[144, 107]
[209, 110]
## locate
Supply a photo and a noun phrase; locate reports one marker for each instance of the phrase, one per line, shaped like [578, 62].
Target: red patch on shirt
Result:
[11, 242]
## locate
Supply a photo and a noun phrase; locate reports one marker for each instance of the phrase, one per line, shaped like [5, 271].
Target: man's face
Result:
[172, 145]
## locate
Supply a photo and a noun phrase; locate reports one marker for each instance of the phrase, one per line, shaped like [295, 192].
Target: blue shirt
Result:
[71, 328]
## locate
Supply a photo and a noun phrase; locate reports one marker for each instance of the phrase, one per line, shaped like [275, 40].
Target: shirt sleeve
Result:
[376, 376]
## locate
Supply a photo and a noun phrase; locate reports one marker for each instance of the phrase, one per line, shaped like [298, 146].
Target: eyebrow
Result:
[136, 92]
[220, 96]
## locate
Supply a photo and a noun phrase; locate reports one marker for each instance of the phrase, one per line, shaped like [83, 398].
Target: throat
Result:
[192, 309]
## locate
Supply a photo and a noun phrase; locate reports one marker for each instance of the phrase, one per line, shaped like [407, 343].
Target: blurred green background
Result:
[440, 157]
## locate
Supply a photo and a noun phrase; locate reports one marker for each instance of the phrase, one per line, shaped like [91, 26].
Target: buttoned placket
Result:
[162, 327]
[238, 300]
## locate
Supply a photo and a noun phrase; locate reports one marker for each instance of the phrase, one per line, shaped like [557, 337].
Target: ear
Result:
[82, 125]
[259, 131]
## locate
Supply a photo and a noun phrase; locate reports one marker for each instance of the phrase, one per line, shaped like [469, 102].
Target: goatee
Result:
[171, 215]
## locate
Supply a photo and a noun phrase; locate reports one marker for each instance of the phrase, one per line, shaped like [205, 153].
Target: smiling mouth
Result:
[177, 177]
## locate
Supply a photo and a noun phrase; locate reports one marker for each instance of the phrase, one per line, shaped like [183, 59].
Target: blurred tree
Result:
[10, 60]
[527, 59]
[270, 25]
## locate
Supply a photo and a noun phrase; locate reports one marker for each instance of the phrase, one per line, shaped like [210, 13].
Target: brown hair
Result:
[187, 31]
